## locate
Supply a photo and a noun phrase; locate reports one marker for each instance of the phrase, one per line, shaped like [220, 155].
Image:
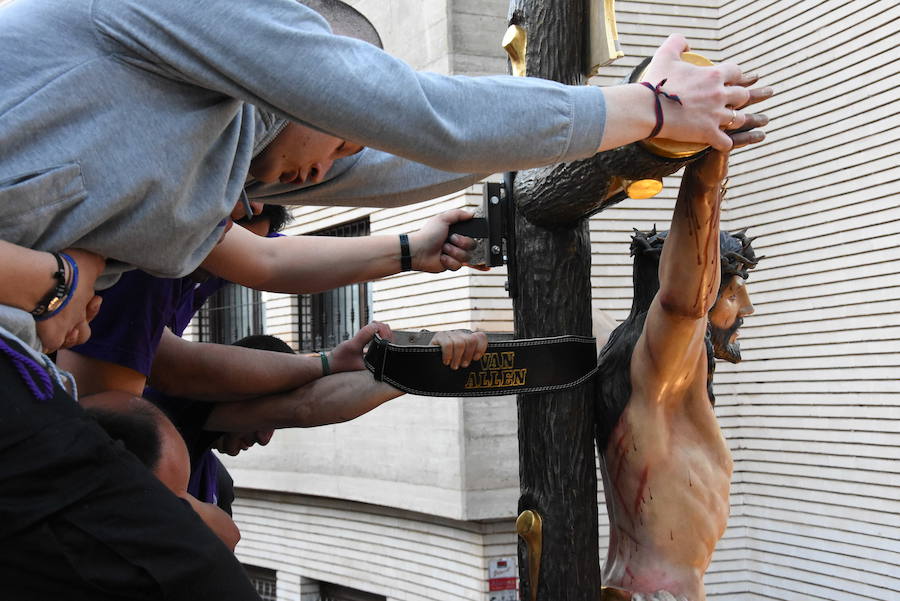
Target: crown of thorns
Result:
[740, 263]
[733, 262]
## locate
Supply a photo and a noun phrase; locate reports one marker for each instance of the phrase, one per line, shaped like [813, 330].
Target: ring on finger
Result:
[733, 118]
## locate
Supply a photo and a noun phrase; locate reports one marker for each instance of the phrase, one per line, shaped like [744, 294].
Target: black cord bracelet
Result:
[55, 297]
[405, 257]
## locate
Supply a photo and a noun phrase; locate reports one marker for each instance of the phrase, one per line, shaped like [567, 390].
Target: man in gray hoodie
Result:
[118, 114]
[127, 129]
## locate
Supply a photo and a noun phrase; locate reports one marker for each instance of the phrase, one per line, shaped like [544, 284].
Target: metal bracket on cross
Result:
[497, 228]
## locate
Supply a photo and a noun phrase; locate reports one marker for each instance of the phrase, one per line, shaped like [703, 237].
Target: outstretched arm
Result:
[336, 398]
[220, 372]
[328, 400]
[306, 264]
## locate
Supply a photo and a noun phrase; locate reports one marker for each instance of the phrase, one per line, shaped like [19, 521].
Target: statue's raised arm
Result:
[671, 343]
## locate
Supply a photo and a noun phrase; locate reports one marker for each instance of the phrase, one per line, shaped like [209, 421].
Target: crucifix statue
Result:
[558, 521]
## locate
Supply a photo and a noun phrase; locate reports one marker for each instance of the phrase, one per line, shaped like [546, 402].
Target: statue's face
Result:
[726, 317]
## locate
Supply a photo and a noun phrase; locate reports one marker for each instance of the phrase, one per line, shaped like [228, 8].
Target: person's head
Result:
[724, 319]
[146, 432]
[737, 258]
[733, 301]
[264, 342]
[299, 155]
[232, 443]
[267, 218]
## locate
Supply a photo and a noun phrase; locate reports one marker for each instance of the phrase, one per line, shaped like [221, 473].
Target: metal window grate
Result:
[231, 314]
[264, 581]
[336, 592]
[328, 318]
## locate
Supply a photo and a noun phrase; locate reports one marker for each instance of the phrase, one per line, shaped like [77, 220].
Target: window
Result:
[263, 581]
[328, 318]
[230, 314]
[334, 592]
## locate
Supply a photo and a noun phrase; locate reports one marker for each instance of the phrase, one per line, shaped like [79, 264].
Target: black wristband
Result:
[56, 296]
[405, 257]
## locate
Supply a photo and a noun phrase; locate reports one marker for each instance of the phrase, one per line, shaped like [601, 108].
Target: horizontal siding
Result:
[401, 555]
[812, 412]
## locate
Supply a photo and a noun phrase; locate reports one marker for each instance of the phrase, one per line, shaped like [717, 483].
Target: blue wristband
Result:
[69, 293]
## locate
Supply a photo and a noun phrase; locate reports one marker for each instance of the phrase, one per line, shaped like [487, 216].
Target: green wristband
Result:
[325, 367]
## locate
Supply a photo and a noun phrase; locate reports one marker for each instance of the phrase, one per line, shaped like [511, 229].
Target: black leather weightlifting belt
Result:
[510, 367]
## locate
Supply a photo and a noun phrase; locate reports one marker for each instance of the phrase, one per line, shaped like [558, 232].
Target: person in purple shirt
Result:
[139, 309]
[141, 312]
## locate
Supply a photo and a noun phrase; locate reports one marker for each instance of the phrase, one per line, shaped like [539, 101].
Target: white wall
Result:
[402, 555]
[812, 414]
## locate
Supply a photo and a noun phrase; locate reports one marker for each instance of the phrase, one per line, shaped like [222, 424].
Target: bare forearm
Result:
[318, 263]
[302, 264]
[689, 268]
[329, 400]
[218, 372]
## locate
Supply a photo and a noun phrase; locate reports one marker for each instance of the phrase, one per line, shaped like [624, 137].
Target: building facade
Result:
[417, 499]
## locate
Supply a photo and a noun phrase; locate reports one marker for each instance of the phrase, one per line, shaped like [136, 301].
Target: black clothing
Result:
[81, 518]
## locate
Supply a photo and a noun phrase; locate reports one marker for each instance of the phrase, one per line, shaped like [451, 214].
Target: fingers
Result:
[459, 347]
[463, 242]
[443, 340]
[731, 119]
[672, 48]
[754, 120]
[480, 345]
[452, 257]
[721, 142]
[736, 96]
[757, 95]
[456, 215]
[750, 133]
[264, 436]
[52, 342]
[744, 138]
[369, 330]
[731, 74]
[449, 263]
[747, 79]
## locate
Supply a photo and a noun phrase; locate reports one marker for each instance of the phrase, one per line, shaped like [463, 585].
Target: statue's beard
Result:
[721, 341]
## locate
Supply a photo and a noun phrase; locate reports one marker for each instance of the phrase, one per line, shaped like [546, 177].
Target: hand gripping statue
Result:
[666, 466]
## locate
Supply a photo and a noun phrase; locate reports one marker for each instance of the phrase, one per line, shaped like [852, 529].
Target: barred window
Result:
[230, 314]
[335, 592]
[264, 581]
[328, 318]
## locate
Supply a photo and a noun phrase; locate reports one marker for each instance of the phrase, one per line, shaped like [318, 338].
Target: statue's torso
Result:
[667, 472]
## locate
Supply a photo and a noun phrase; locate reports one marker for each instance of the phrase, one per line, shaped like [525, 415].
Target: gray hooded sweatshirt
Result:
[127, 126]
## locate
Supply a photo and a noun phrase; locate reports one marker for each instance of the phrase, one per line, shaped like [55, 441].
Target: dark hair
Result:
[264, 342]
[278, 217]
[137, 429]
[737, 256]
[614, 374]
